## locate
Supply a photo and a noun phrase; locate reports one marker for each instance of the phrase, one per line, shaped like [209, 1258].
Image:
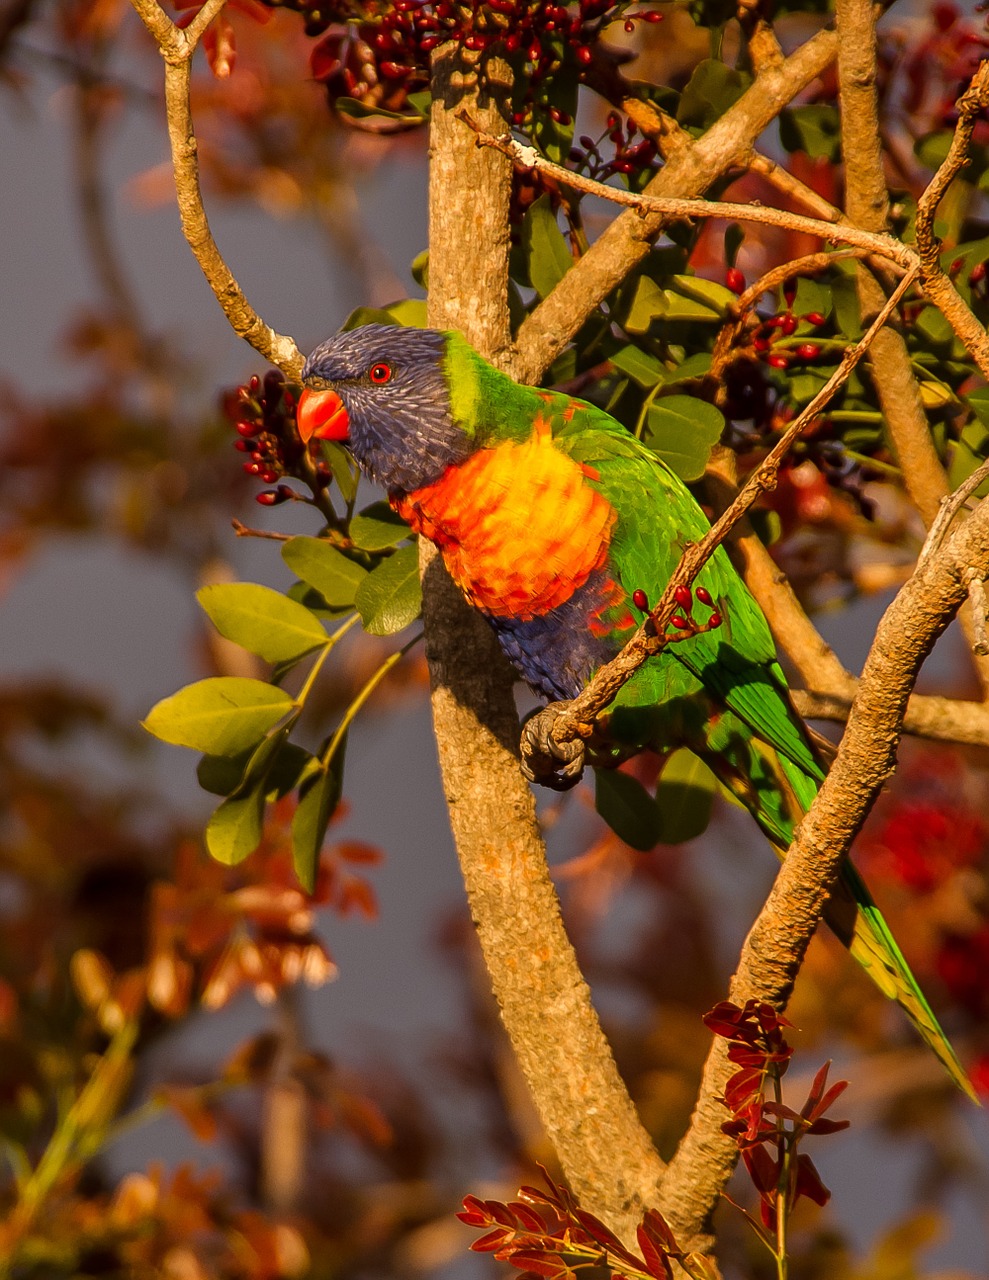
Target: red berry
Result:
[735, 280]
[247, 428]
[584, 55]
[714, 621]
[813, 317]
[268, 476]
[255, 383]
[640, 599]
[684, 597]
[789, 324]
[808, 351]
[790, 291]
[680, 622]
[977, 273]
[270, 497]
[778, 362]
[704, 596]
[242, 446]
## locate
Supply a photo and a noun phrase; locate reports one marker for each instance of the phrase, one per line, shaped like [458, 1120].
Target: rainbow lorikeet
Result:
[559, 526]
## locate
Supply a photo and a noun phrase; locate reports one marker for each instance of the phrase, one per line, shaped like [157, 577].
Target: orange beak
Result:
[321, 414]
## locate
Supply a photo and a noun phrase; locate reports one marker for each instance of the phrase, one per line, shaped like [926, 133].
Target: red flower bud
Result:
[247, 429]
[714, 621]
[704, 596]
[735, 280]
[640, 599]
[790, 291]
[813, 317]
[808, 351]
[680, 622]
[778, 362]
[789, 324]
[270, 497]
[684, 597]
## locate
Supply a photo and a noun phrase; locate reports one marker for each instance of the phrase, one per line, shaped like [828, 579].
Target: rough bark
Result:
[544, 1001]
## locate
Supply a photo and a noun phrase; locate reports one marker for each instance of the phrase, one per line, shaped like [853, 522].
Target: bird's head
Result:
[386, 392]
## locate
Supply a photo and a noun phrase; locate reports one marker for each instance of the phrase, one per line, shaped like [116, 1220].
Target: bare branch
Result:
[866, 758]
[937, 285]
[882, 245]
[176, 47]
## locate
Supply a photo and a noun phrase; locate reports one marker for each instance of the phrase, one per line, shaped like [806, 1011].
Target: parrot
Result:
[559, 526]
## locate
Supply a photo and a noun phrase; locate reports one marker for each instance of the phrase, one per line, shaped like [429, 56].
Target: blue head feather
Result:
[402, 431]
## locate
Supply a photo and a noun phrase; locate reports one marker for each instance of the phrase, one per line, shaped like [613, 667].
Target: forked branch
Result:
[177, 46]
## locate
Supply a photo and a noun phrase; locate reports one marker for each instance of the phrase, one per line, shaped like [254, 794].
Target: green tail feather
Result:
[777, 792]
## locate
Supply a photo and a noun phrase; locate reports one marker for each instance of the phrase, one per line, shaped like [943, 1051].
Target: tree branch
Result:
[176, 47]
[866, 758]
[867, 206]
[545, 333]
[671, 208]
[937, 285]
[542, 996]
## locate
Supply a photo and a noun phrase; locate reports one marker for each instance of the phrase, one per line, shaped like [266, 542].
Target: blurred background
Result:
[260, 1127]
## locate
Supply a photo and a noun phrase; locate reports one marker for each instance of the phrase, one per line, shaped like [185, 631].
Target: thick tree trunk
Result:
[544, 1001]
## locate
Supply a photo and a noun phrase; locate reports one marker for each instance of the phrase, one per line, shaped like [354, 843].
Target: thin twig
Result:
[245, 531]
[883, 245]
[949, 508]
[574, 719]
[977, 595]
[176, 47]
[936, 283]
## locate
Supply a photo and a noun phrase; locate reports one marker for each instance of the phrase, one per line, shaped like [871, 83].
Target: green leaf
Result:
[684, 797]
[220, 775]
[409, 312]
[324, 567]
[547, 256]
[627, 808]
[811, 296]
[262, 621]
[343, 467]
[643, 368]
[234, 830]
[420, 269]
[696, 366]
[378, 527]
[932, 150]
[555, 96]
[358, 110]
[678, 297]
[648, 303]
[967, 453]
[683, 430]
[235, 776]
[390, 597]
[845, 299]
[222, 716]
[710, 91]
[978, 402]
[814, 129]
[694, 298]
[317, 804]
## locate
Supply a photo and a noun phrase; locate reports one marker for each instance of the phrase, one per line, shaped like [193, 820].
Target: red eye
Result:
[380, 373]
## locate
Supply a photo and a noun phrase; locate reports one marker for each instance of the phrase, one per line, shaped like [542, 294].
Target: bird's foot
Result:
[545, 759]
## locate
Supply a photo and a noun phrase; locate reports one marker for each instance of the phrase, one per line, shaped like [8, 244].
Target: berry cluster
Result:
[781, 325]
[379, 53]
[263, 415]
[684, 622]
[630, 158]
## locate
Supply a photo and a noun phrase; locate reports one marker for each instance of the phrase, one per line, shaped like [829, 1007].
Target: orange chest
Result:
[519, 527]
